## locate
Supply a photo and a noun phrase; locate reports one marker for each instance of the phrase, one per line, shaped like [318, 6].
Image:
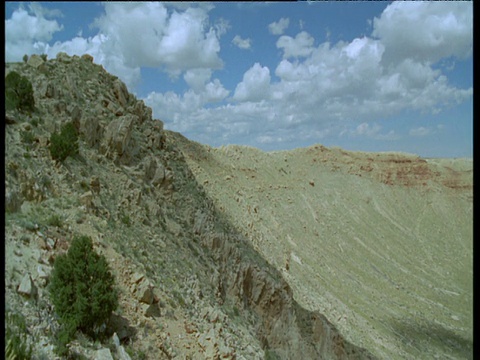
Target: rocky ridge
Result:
[191, 284]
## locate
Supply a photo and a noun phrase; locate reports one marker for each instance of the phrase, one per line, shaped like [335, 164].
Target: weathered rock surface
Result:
[118, 135]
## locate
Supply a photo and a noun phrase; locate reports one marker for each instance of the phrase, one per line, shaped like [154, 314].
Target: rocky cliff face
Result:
[191, 284]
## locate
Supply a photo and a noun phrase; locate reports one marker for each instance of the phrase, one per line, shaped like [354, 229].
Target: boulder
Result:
[35, 61]
[118, 134]
[42, 272]
[156, 137]
[27, 287]
[92, 131]
[145, 292]
[121, 93]
[150, 166]
[160, 175]
[63, 57]
[87, 57]
[103, 354]
[121, 353]
[114, 108]
[152, 310]
[10, 118]
[137, 277]
[87, 199]
[143, 112]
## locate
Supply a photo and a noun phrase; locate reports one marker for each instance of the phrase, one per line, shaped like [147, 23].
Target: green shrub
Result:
[64, 144]
[15, 337]
[18, 93]
[82, 291]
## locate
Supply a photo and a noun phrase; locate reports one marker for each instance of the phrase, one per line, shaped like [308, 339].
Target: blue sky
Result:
[367, 76]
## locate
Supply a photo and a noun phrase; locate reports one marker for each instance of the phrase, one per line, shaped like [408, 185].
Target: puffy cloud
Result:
[178, 110]
[255, 85]
[425, 31]
[318, 89]
[301, 45]
[131, 35]
[350, 81]
[197, 78]
[278, 28]
[27, 33]
[242, 43]
[145, 34]
[214, 92]
[329, 90]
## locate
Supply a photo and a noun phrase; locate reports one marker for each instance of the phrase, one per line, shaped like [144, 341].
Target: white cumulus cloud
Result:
[130, 35]
[255, 85]
[145, 34]
[28, 32]
[197, 78]
[301, 45]
[279, 27]
[425, 31]
[242, 43]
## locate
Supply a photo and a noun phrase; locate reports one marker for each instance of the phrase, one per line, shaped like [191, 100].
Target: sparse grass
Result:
[125, 220]
[179, 298]
[16, 346]
[55, 220]
[28, 138]
[36, 121]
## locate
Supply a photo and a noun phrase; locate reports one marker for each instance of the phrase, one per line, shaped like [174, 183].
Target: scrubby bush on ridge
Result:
[82, 291]
[18, 93]
[65, 143]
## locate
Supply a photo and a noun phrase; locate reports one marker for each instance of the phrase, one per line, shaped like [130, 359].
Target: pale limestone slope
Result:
[379, 243]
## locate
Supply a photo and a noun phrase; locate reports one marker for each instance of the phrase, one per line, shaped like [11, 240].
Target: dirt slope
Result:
[381, 243]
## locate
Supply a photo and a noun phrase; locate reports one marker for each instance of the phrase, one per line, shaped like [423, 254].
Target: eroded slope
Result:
[379, 243]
